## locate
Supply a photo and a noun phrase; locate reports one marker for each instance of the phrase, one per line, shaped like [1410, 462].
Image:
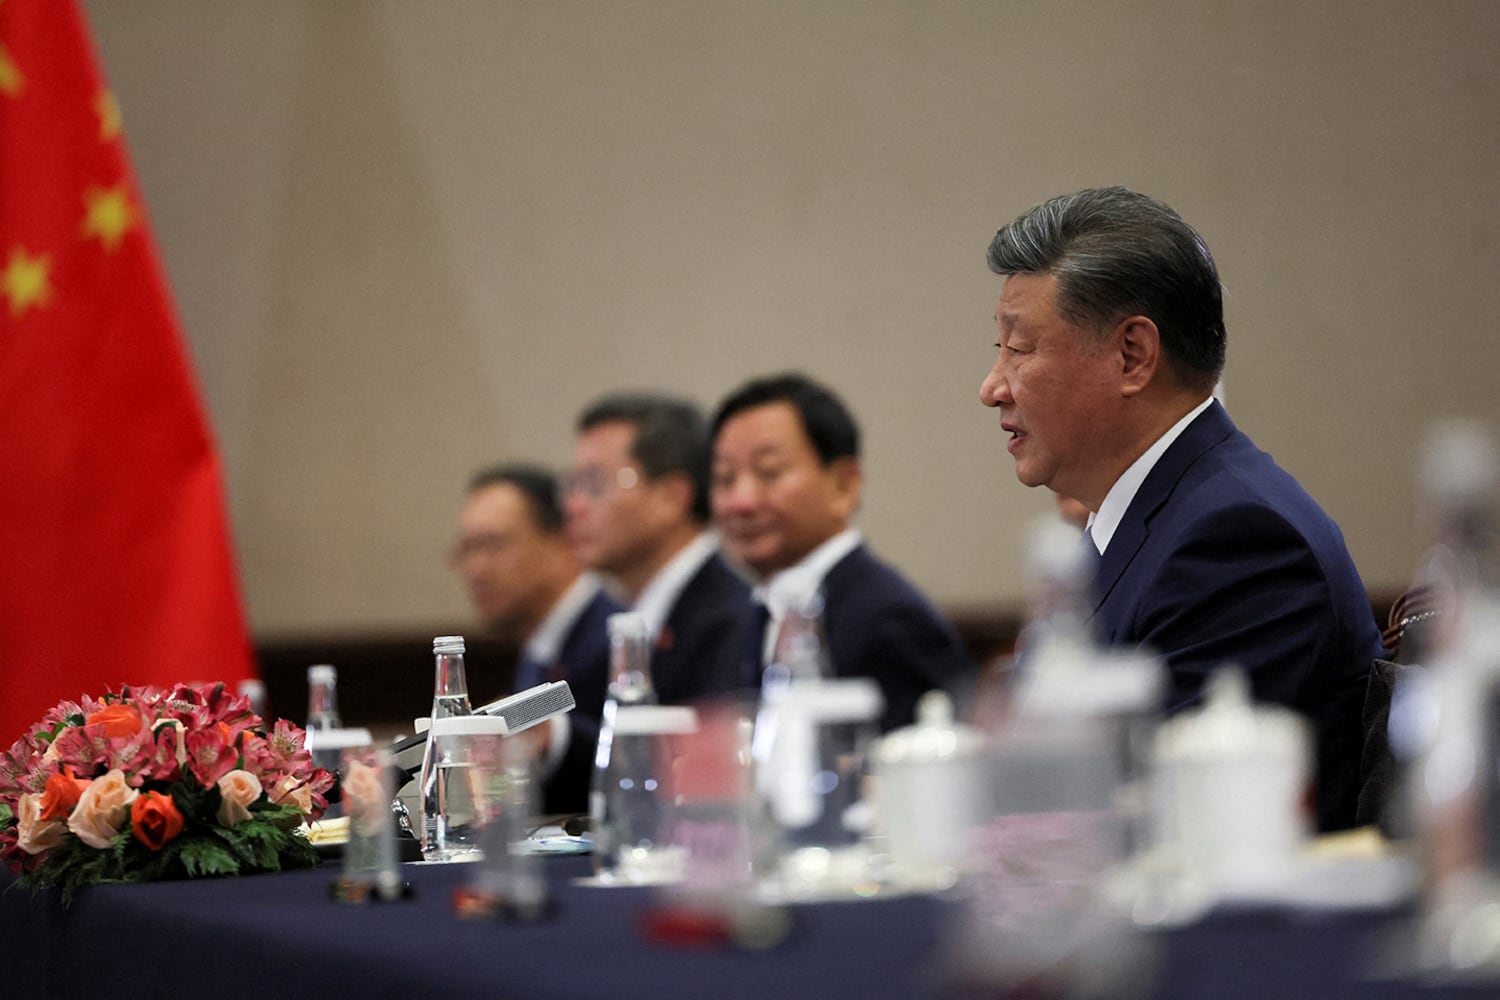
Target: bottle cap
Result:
[626, 625]
[650, 720]
[847, 699]
[321, 673]
[337, 739]
[448, 644]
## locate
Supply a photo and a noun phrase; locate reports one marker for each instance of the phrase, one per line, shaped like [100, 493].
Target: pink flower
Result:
[102, 809]
[83, 749]
[210, 756]
[34, 834]
[238, 790]
[15, 764]
[127, 754]
[161, 758]
[283, 750]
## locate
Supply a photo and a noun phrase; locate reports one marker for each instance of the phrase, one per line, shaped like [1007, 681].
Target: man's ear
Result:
[849, 478]
[1139, 343]
[678, 488]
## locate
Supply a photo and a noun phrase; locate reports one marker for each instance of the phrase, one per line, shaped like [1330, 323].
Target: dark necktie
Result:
[760, 619]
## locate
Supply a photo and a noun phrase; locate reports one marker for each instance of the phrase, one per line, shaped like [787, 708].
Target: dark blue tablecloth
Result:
[282, 936]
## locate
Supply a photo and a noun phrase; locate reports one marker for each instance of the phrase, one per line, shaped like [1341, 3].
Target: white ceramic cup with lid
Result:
[1232, 783]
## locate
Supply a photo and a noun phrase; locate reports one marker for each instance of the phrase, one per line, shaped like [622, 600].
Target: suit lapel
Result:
[1211, 427]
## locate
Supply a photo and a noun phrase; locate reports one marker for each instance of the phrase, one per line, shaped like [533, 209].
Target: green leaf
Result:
[197, 804]
[203, 856]
[5, 814]
[285, 815]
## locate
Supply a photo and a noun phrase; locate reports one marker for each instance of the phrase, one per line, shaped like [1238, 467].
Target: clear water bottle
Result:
[253, 689]
[800, 656]
[449, 821]
[624, 810]
[322, 713]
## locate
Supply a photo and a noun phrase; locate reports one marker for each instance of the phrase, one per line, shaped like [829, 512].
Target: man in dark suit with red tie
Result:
[523, 579]
[1111, 339]
[786, 484]
[637, 511]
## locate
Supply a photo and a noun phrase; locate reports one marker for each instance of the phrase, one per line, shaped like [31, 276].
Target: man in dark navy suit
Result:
[786, 484]
[523, 579]
[1111, 339]
[637, 510]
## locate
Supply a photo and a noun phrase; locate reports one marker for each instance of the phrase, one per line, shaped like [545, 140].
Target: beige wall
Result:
[410, 238]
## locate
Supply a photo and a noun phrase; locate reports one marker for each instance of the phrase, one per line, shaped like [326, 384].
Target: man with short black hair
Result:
[526, 584]
[786, 483]
[1111, 338]
[637, 510]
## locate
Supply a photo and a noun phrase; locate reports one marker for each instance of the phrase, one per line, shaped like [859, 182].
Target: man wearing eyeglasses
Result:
[526, 584]
[637, 511]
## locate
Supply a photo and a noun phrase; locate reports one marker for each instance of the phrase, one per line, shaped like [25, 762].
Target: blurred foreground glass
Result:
[508, 881]
[370, 866]
[714, 822]
[633, 795]
[326, 747]
[1066, 770]
[1445, 714]
[812, 776]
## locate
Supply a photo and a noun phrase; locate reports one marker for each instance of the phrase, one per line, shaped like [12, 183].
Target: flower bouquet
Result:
[150, 784]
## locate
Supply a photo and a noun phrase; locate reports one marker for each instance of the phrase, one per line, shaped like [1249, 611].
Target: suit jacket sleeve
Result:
[1240, 586]
[910, 652]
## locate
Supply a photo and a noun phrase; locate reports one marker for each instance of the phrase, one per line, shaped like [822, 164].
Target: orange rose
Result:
[61, 795]
[117, 719]
[154, 819]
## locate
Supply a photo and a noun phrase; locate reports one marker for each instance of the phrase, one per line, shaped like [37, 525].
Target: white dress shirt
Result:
[660, 595]
[793, 585]
[546, 641]
[1102, 525]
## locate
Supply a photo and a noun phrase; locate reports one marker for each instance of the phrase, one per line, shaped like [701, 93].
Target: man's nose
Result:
[994, 390]
[733, 496]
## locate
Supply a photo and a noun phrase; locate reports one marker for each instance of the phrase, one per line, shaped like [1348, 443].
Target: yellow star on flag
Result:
[109, 215]
[10, 75]
[108, 110]
[26, 281]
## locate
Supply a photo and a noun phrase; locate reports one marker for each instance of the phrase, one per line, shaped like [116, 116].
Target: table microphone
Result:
[519, 711]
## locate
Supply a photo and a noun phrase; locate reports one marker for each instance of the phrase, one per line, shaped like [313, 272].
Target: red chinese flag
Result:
[115, 560]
